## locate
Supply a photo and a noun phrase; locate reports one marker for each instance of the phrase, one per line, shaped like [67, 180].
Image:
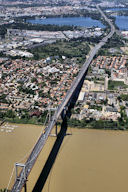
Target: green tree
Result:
[10, 114]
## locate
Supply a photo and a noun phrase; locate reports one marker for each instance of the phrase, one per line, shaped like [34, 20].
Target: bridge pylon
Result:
[56, 132]
[50, 119]
[23, 166]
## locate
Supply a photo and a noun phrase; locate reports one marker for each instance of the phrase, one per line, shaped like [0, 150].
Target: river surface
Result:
[15, 142]
[76, 21]
[88, 160]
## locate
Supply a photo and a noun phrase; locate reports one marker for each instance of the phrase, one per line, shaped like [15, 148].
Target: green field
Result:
[116, 84]
[71, 49]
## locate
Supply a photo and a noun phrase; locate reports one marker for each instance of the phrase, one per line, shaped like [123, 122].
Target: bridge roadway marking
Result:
[18, 185]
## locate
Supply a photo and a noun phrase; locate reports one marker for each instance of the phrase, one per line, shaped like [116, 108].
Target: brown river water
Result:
[88, 160]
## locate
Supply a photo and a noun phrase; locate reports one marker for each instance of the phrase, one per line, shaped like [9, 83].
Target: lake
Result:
[76, 21]
[122, 22]
[88, 160]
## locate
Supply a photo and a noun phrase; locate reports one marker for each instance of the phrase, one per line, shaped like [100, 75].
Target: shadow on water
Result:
[51, 159]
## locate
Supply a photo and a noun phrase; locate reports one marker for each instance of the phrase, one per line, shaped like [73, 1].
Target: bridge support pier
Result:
[56, 132]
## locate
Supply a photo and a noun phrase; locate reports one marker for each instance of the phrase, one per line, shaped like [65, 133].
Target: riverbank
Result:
[79, 124]
[97, 124]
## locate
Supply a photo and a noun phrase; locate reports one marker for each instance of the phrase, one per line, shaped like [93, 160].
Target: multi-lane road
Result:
[19, 183]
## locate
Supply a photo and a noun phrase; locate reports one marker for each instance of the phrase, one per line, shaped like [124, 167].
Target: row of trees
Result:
[7, 114]
[100, 124]
[35, 117]
[38, 27]
[32, 118]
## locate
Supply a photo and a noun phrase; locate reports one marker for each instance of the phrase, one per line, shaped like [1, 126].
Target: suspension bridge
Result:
[62, 111]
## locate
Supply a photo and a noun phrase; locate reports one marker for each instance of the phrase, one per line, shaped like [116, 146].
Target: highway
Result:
[19, 183]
